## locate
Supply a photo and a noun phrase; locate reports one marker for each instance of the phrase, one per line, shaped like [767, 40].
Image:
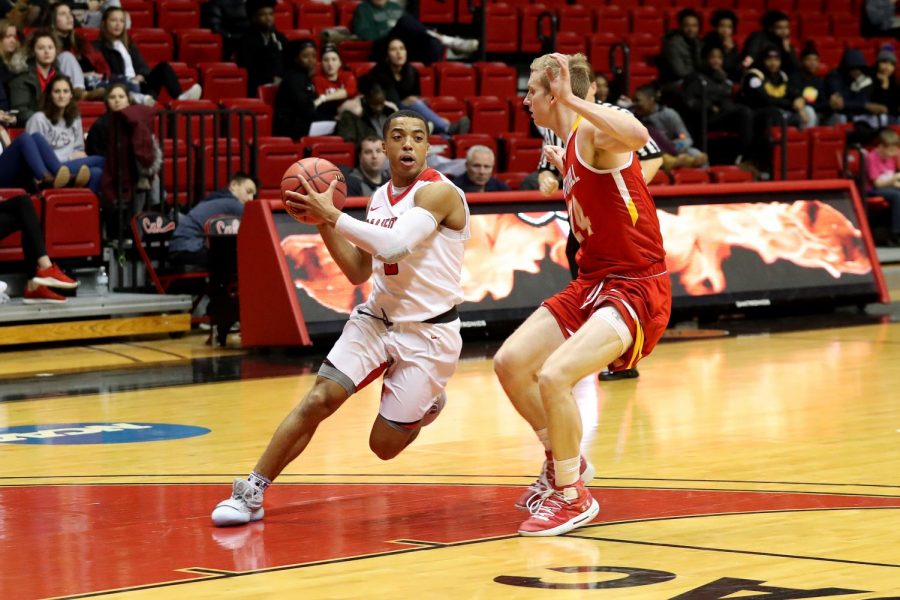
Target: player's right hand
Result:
[556, 156]
[548, 183]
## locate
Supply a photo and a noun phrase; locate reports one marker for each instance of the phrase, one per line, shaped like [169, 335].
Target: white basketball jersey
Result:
[426, 283]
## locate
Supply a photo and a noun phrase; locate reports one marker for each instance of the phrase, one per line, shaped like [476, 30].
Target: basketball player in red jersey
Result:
[617, 308]
[411, 245]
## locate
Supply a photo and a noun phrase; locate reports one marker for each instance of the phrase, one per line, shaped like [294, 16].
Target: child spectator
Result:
[776, 31]
[669, 122]
[883, 174]
[885, 92]
[767, 89]
[724, 25]
[808, 85]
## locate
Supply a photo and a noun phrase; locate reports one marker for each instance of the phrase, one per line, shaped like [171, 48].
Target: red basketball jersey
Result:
[613, 217]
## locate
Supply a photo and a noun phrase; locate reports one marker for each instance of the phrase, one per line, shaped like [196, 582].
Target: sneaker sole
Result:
[232, 518]
[55, 283]
[579, 521]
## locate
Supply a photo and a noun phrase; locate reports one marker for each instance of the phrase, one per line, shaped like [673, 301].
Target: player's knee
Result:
[504, 362]
[319, 404]
[550, 380]
[383, 450]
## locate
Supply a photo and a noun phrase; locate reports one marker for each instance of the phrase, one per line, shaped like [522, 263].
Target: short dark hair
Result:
[771, 17]
[687, 12]
[399, 115]
[722, 14]
[370, 138]
[240, 176]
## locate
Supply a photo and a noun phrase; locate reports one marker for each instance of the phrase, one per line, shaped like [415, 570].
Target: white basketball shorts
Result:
[417, 359]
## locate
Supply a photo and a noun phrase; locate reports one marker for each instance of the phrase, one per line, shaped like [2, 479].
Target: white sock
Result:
[544, 436]
[584, 390]
[259, 481]
[566, 471]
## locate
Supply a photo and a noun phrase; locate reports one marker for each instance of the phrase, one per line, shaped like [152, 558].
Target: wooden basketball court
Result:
[760, 465]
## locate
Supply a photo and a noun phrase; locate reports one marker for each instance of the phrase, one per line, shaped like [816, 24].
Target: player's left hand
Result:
[560, 85]
[316, 204]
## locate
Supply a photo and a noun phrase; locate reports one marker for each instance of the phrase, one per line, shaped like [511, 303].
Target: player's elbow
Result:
[640, 136]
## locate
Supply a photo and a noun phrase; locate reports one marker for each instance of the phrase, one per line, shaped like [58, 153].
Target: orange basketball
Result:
[319, 173]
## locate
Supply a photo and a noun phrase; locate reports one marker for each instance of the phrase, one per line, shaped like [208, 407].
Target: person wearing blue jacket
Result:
[188, 243]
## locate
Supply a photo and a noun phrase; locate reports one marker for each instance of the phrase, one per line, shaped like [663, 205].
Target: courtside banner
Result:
[730, 248]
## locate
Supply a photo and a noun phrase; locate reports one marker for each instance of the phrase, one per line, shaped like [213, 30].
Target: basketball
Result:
[319, 173]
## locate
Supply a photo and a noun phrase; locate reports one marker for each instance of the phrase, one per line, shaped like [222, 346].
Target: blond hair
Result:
[580, 72]
[888, 137]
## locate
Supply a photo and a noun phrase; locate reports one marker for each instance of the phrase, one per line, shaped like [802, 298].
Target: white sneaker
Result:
[460, 45]
[435, 409]
[192, 93]
[3, 296]
[244, 506]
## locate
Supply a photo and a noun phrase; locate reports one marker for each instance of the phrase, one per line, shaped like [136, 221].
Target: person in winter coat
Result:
[296, 95]
[680, 54]
[850, 88]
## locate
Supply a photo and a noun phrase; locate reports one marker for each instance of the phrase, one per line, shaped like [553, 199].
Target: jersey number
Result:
[581, 224]
[391, 269]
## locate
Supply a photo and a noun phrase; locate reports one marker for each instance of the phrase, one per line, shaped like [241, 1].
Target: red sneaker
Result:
[42, 295]
[561, 511]
[53, 277]
[546, 481]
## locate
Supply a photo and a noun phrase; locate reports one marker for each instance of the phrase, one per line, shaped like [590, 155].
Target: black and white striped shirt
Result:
[649, 151]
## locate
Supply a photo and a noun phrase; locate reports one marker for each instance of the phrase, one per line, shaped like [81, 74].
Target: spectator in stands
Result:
[479, 175]
[58, 121]
[188, 243]
[879, 18]
[850, 90]
[776, 31]
[262, 50]
[30, 162]
[12, 56]
[400, 81]
[380, 21]
[372, 170]
[669, 122]
[28, 84]
[296, 95]
[883, 176]
[809, 85]
[97, 142]
[724, 25]
[126, 63]
[92, 16]
[885, 92]
[375, 111]
[723, 113]
[17, 214]
[89, 70]
[22, 13]
[229, 19]
[681, 48]
[334, 84]
[767, 88]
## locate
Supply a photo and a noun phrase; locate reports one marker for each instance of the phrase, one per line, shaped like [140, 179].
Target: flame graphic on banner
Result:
[698, 239]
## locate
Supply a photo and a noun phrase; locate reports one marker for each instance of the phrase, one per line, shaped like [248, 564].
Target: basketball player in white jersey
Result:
[411, 244]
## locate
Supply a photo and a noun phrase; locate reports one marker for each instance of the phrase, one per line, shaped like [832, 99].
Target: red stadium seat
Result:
[600, 44]
[528, 36]
[785, 6]
[213, 160]
[437, 11]
[570, 43]
[90, 111]
[345, 10]
[155, 45]
[797, 154]
[814, 25]
[463, 142]
[197, 121]
[355, 51]
[284, 16]
[223, 80]
[729, 174]
[427, 83]
[445, 145]
[521, 118]
[612, 18]
[661, 178]
[576, 18]
[687, 176]
[455, 79]
[448, 107]
[151, 232]
[513, 179]
[307, 141]
[843, 26]
[273, 158]
[522, 153]
[267, 93]
[645, 49]
[262, 111]
[176, 165]
[502, 26]
[340, 153]
[496, 79]
[489, 115]
[141, 13]
[178, 14]
[826, 149]
[71, 223]
[199, 46]
[11, 245]
[315, 16]
[648, 20]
